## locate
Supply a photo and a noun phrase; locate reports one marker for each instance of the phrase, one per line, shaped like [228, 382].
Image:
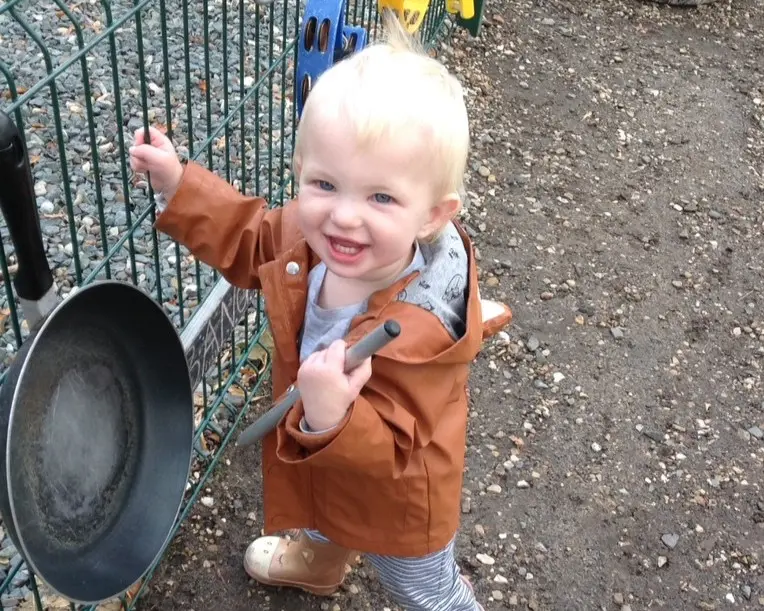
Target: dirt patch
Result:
[617, 200]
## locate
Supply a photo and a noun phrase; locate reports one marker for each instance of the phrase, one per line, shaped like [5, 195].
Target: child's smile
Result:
[345, 251]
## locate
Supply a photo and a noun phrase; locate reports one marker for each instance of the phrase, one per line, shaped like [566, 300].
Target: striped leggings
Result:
[427, 583]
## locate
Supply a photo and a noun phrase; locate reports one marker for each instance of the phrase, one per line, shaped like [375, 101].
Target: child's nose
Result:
[345, 213]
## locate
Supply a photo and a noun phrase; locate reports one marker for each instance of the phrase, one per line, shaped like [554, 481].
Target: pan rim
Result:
[62, 303]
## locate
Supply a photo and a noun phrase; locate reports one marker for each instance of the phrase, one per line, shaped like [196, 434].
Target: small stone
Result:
[746, 592]
[618, 598]
[547, 21]
[670, 540]
[730, 598]
[21, 578]
[513, 600]
[466, 504]
[523, 484]
[207, 501]
[715, 214]
[500, 579]
[617, 332]
[677, 284]
[557, 377]
[485, 559]
[492, 281]
[47, 207]
[596, 447]
[497, 595]
[353, 589]
[755, 431]
[495, 488]
[662, 560]
[484, 171]
[547, 295]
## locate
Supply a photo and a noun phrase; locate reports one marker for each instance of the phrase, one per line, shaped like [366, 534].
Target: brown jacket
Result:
[388, 479]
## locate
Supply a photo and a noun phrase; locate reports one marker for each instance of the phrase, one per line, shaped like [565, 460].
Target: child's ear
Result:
[440, 214]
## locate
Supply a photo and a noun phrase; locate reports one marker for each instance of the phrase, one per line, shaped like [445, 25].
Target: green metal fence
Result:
[80, 77]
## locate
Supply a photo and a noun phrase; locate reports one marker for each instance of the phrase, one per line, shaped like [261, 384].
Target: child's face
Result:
[361, 209]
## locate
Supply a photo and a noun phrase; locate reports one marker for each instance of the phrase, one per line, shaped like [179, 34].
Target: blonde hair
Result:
[393, 90]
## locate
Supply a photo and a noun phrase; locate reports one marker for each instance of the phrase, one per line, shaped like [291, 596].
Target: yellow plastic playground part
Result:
[466, 8]
[409, 12]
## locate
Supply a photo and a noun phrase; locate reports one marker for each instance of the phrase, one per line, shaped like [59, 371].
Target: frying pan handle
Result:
[19, 207]
[355, 355]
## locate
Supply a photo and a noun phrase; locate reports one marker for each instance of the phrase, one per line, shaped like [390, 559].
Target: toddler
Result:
[369, 461]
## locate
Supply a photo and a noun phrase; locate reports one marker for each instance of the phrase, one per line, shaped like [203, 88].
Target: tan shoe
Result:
[318, 568]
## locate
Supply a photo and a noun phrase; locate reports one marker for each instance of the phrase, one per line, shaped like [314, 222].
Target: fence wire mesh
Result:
[79, 78]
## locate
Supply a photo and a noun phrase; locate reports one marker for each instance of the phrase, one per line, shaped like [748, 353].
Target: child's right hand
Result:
[159, 159]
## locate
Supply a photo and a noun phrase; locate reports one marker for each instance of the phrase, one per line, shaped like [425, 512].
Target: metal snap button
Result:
[292, 268]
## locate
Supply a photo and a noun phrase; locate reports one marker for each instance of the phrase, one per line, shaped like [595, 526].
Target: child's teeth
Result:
[344, 249]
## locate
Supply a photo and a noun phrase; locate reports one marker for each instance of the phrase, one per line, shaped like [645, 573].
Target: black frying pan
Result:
[96, 417]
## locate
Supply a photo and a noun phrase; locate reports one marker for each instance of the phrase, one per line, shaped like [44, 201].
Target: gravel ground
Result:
[615, 447]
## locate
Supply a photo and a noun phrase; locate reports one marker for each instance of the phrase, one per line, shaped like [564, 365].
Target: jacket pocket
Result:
[374, 508]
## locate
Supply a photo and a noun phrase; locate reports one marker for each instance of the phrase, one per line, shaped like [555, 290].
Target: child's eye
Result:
[325, 186]
[382, 198]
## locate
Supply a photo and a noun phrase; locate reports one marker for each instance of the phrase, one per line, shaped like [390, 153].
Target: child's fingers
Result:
[360, 375]
[147, 155]
[138, 137]
[335, 354]
[156, 138]
[137, 165]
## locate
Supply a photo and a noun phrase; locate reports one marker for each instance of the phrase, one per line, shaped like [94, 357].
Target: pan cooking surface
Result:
[77, 435]
[83, 440]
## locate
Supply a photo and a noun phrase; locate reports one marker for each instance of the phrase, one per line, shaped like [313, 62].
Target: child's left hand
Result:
[326, 390]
